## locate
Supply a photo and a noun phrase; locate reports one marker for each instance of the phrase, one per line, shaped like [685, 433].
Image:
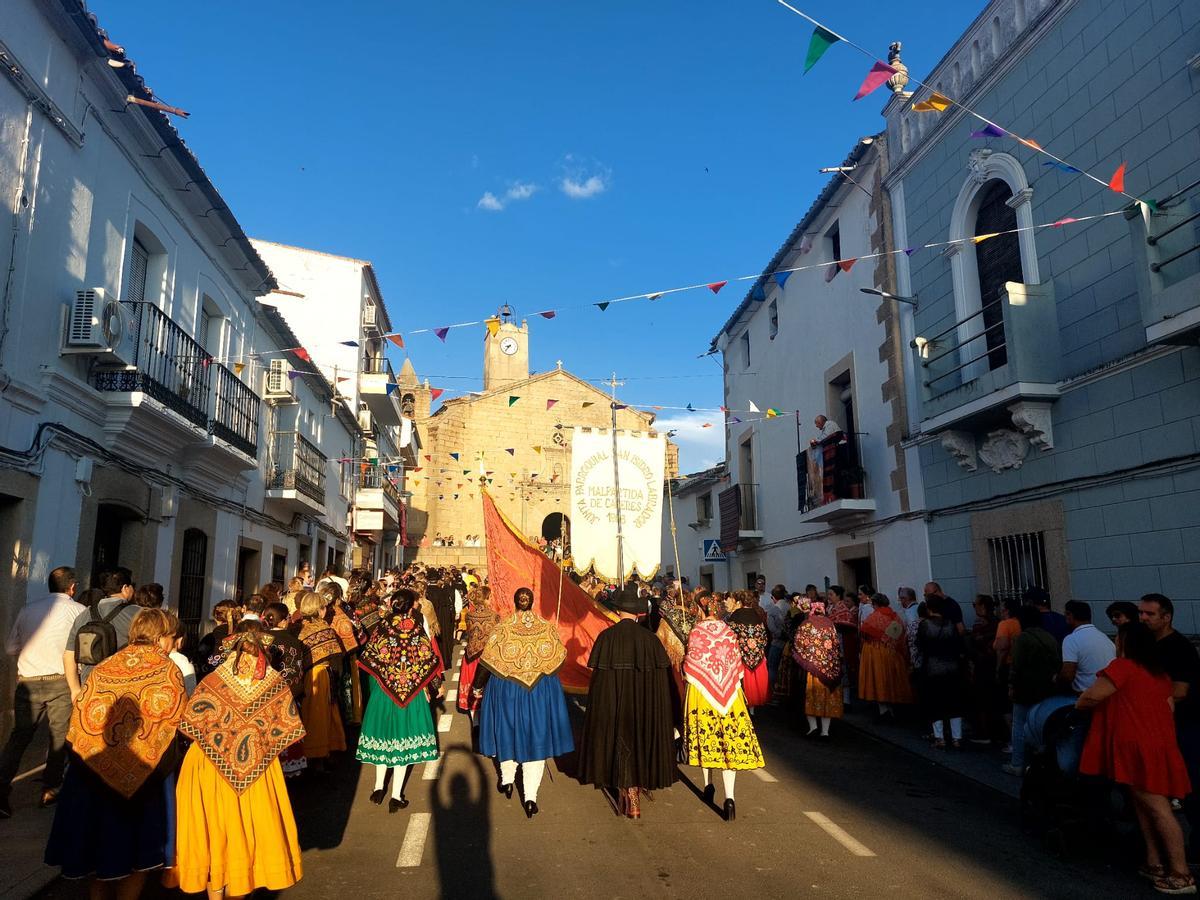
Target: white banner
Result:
[593, 501]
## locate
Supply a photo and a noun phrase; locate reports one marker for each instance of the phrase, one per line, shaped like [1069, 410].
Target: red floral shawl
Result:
[400, 656]
[817, 649]
[884, 626]
[713, 664]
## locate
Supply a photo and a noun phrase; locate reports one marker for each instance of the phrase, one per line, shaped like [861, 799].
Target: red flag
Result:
[434, 393]
[397, 340]
[548, 314]
[512, 563]
[303, 354]
[1117, 182]
[880, 72]
[847, 264]
[716, 286]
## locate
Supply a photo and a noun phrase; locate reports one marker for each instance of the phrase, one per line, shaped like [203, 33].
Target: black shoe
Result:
[505, 789]
[531, 809]
[710, 794]
[395, 805]
[730, 811]
[377, 796]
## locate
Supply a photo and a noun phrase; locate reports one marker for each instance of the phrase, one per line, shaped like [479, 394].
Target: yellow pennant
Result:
[936, 103]
[980, 238]
[493, 325]
[238, 368]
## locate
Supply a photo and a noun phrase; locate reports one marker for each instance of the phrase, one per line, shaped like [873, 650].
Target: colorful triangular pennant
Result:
[822, 39]
[512, 399]
[935, 103]
[716, 286]
[441, 333]
[1117, 182]
[880, 72]
[603, 306]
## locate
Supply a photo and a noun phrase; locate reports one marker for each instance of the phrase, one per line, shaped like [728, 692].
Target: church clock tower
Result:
[506, 353]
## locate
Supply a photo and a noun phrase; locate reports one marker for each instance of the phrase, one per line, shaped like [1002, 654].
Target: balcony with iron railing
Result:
[1166, 250]
[833, 481]
[377, 500]
[297, 473]
[378, 389]
[1005, 353]
[167, 364]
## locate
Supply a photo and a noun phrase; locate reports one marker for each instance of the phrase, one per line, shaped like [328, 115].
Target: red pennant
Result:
[1061, 222]
[550, 403]
[397, 340]
[847, 264]
[716, 286]
[1117, 182]
[303, 354]
[548, 314]
[434, 393]
[428, 458]
[880, 72]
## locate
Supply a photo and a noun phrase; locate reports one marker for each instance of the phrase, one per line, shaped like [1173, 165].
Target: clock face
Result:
[508, 346]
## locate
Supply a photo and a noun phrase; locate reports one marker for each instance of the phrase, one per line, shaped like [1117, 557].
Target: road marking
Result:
[414, 841]
[454, 677]
[444, 723]
[30, 773]
[764, 775]
[839, 834]
[430, 772]
[451, 695]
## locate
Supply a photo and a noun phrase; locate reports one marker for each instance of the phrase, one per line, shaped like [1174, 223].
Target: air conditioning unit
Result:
[279, 384]
[369, 314]
[99, 326]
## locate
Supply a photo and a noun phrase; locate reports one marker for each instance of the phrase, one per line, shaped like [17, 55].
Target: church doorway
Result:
[555, 526]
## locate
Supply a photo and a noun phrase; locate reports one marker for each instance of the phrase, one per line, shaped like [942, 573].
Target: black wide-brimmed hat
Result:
[626, 600]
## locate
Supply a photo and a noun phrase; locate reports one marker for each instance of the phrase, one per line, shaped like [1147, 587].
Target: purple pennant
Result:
[348, 343]
[293, 374]
[988, 131]
[909, 251]
[734, 420]
[441, 333]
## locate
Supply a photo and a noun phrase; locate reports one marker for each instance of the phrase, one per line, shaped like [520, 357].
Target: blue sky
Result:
[544, 154]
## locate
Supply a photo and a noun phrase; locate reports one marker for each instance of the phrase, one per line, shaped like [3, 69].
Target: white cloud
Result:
[582, 179]
[699, 447]
[521, 191]
[490, 202]
[578, 189]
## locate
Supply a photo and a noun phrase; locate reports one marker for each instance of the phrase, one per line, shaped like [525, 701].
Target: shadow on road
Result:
[462, 829]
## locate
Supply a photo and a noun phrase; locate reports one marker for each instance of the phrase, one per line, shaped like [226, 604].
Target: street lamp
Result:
[911, 301]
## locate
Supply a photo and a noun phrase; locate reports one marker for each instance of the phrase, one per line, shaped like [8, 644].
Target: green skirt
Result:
[394, 735]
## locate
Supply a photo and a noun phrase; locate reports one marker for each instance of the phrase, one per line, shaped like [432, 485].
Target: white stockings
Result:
[728, 777]
[531, 775]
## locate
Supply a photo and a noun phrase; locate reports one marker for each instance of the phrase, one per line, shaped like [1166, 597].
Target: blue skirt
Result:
[98, 832]
[524, 725]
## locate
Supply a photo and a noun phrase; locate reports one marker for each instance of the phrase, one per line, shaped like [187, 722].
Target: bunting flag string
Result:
[943, 101]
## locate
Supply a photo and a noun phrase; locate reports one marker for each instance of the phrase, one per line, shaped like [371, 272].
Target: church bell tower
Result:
[506, 352]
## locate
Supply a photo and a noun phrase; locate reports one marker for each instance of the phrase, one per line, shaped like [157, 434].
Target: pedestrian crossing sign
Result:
[713, 551]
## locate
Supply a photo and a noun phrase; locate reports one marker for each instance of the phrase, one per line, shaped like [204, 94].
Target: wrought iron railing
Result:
[989, 342]
[298, 465]
[235, 411]
[1176, 235]
[376, 478]
[168, 364]
[378, 365]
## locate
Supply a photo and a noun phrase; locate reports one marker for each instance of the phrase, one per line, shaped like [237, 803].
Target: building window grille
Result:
[1017, 561]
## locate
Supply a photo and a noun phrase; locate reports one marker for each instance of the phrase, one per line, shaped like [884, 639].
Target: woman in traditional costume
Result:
[237, 833]
[323, 652]
[717, 731]
[817, 649]
[405, 666]
[523, 718]
[115, 818]
[749, 626]
[883, 670]
[480, 620]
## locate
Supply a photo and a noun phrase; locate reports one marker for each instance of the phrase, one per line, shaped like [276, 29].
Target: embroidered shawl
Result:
[840, 613]
[523, 648]
[125, 718]
[240, 722]
[817, 649]
[401, 657]
[321, 640]
[284, 650]
[752, 642]
[344, 629]
[481, 620]
[679, 619]
[884, 626]
[713, 664]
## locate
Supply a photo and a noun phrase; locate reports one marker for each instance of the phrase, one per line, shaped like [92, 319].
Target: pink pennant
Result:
[1061, 222]
[550, 403]
[880, 72]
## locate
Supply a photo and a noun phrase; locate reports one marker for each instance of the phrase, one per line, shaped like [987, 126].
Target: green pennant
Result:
[822, 40]
[512, 400]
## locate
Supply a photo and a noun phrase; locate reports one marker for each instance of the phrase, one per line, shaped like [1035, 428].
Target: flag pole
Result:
[674, 542]
[614, 384]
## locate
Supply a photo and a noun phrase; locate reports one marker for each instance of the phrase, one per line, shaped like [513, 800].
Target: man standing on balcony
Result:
[826, 428]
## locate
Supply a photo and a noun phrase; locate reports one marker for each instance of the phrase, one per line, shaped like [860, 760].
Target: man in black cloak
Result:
[441, 595]
[627, 745]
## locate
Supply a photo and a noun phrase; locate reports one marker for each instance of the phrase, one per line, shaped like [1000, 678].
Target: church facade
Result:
[513, 439]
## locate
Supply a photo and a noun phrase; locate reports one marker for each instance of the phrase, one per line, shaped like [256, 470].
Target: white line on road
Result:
[414, 841]
[29, 774]
[451, 695]
[839, 834]
[454, 677]
[444, 723]
[764, 775]
[430, 772]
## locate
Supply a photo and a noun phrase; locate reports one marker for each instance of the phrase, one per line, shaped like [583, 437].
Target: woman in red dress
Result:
[749, 624]
[1132, 742]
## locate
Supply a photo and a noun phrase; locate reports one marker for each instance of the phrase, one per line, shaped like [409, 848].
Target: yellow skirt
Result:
[820, 700]
[883, 675]
[716, 741]
[319, 712]
[225, 840]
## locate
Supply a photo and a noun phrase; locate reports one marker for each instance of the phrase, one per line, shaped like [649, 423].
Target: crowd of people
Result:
[176, 757]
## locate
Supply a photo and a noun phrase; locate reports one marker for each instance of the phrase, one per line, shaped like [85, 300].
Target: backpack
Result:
[96, 639]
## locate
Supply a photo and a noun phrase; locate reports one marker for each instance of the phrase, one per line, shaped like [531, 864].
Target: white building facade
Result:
[693, 551]
[812, 343]
[136, 426]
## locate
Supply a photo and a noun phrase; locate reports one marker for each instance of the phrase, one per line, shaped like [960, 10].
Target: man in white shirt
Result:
[36, 639]
[1085, 651]
[826, 428]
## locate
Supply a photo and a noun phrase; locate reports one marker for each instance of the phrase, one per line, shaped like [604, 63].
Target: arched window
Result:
[998, 260]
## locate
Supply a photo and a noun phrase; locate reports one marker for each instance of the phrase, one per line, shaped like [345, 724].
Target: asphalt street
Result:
[849, 817]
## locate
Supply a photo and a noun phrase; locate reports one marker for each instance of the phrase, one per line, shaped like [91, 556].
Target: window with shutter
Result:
[998, 260]
[139, 263]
